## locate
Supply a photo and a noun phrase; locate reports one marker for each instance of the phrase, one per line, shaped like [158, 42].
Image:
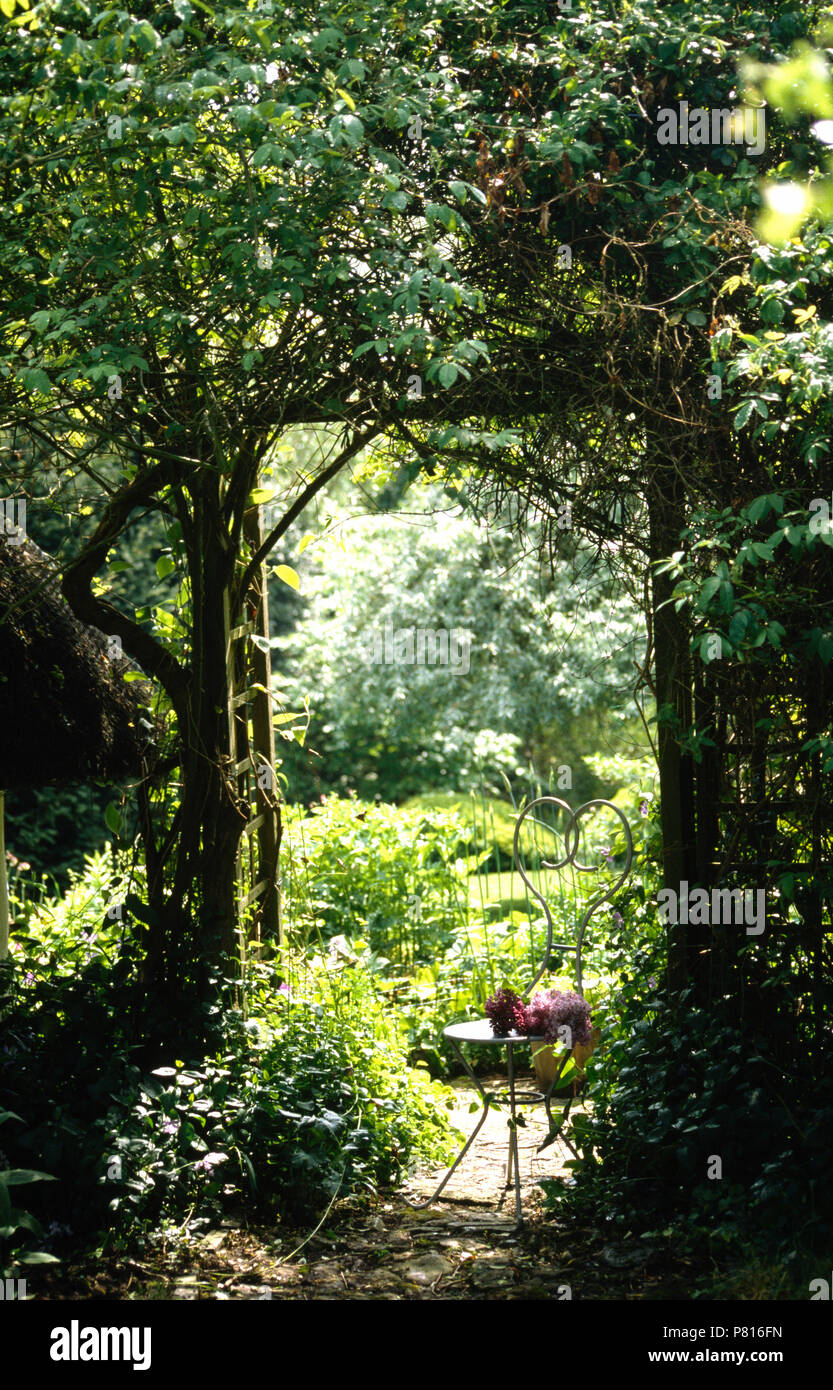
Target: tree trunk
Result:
[672, 683]
[4, 886]
[199, 919]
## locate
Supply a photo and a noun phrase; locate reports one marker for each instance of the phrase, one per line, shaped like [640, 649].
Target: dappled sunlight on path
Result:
[464, 1246]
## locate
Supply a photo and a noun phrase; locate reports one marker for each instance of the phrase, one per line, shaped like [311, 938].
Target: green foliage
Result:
[254, 102]
[18, 1227]
[798, 86]
[392, 877]
[280, 1103]
[74, 925]
[309, 1098]
[544, 649]
[407, 894]
[680, 1087]
[54, 829]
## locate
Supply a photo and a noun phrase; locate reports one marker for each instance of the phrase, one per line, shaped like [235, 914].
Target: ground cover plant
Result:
[297, 1094]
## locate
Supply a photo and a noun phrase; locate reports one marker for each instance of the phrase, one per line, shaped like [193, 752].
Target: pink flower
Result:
[554, 1009]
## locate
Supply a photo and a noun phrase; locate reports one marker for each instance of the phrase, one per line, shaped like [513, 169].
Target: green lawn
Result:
[509, 892]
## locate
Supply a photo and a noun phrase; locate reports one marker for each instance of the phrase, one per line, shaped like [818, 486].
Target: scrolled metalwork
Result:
[479, 1032]
[571, 832]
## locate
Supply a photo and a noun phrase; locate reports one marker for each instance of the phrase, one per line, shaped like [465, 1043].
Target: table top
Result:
[479, 1032]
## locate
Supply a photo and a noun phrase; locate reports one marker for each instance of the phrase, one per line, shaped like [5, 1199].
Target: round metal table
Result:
[478, 1033]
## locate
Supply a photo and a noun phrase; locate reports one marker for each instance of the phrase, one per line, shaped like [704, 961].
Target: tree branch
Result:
[359, 441]
[76, 586]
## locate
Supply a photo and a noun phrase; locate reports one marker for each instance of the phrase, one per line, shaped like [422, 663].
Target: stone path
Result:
[465, 1246]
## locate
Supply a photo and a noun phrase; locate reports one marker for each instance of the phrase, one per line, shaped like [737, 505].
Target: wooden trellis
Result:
[252, 744]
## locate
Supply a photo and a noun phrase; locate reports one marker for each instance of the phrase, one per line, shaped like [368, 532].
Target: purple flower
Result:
[643, 810]
[505, 1012]
[555, 1009]
[55, 1229]
[618, 918]
[605, 851]
[284, 988]
[28, 978]
[170, 1127]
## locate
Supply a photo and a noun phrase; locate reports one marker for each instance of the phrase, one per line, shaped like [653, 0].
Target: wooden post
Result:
[4, 886]
[263, 740]
[672, 683]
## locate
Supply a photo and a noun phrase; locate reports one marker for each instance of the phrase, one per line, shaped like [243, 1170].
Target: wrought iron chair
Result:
[478, 1033]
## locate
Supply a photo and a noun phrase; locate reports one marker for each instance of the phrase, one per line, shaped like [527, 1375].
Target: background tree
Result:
[219, 242]
[547, 657]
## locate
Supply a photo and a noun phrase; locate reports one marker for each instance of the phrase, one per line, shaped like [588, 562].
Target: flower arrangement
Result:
[554, 1014]
[506, 1013]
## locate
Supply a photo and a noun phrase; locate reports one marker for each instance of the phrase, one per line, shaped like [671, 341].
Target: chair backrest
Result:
[571, 833]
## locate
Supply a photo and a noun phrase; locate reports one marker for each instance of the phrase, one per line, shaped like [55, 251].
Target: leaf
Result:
[305, 541]
[141, 911]
[354, 129]
[288, 575]
[259, 495]
[707, 593]
[742, 415]
[264, 154]
[733, 283]
[35, 379]
[20, 1221]
[345, 96]
[165, 565]
[448, 374]
[112, 817]
[36, 1257]
[761, 505]
[15, 1177]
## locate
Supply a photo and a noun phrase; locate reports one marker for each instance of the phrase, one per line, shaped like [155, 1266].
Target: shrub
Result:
[680, 1088]
[310, 1097]
[292, 1100]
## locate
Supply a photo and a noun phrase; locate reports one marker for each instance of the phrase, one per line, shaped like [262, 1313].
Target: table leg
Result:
[461, 1155]
[513, 1135]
